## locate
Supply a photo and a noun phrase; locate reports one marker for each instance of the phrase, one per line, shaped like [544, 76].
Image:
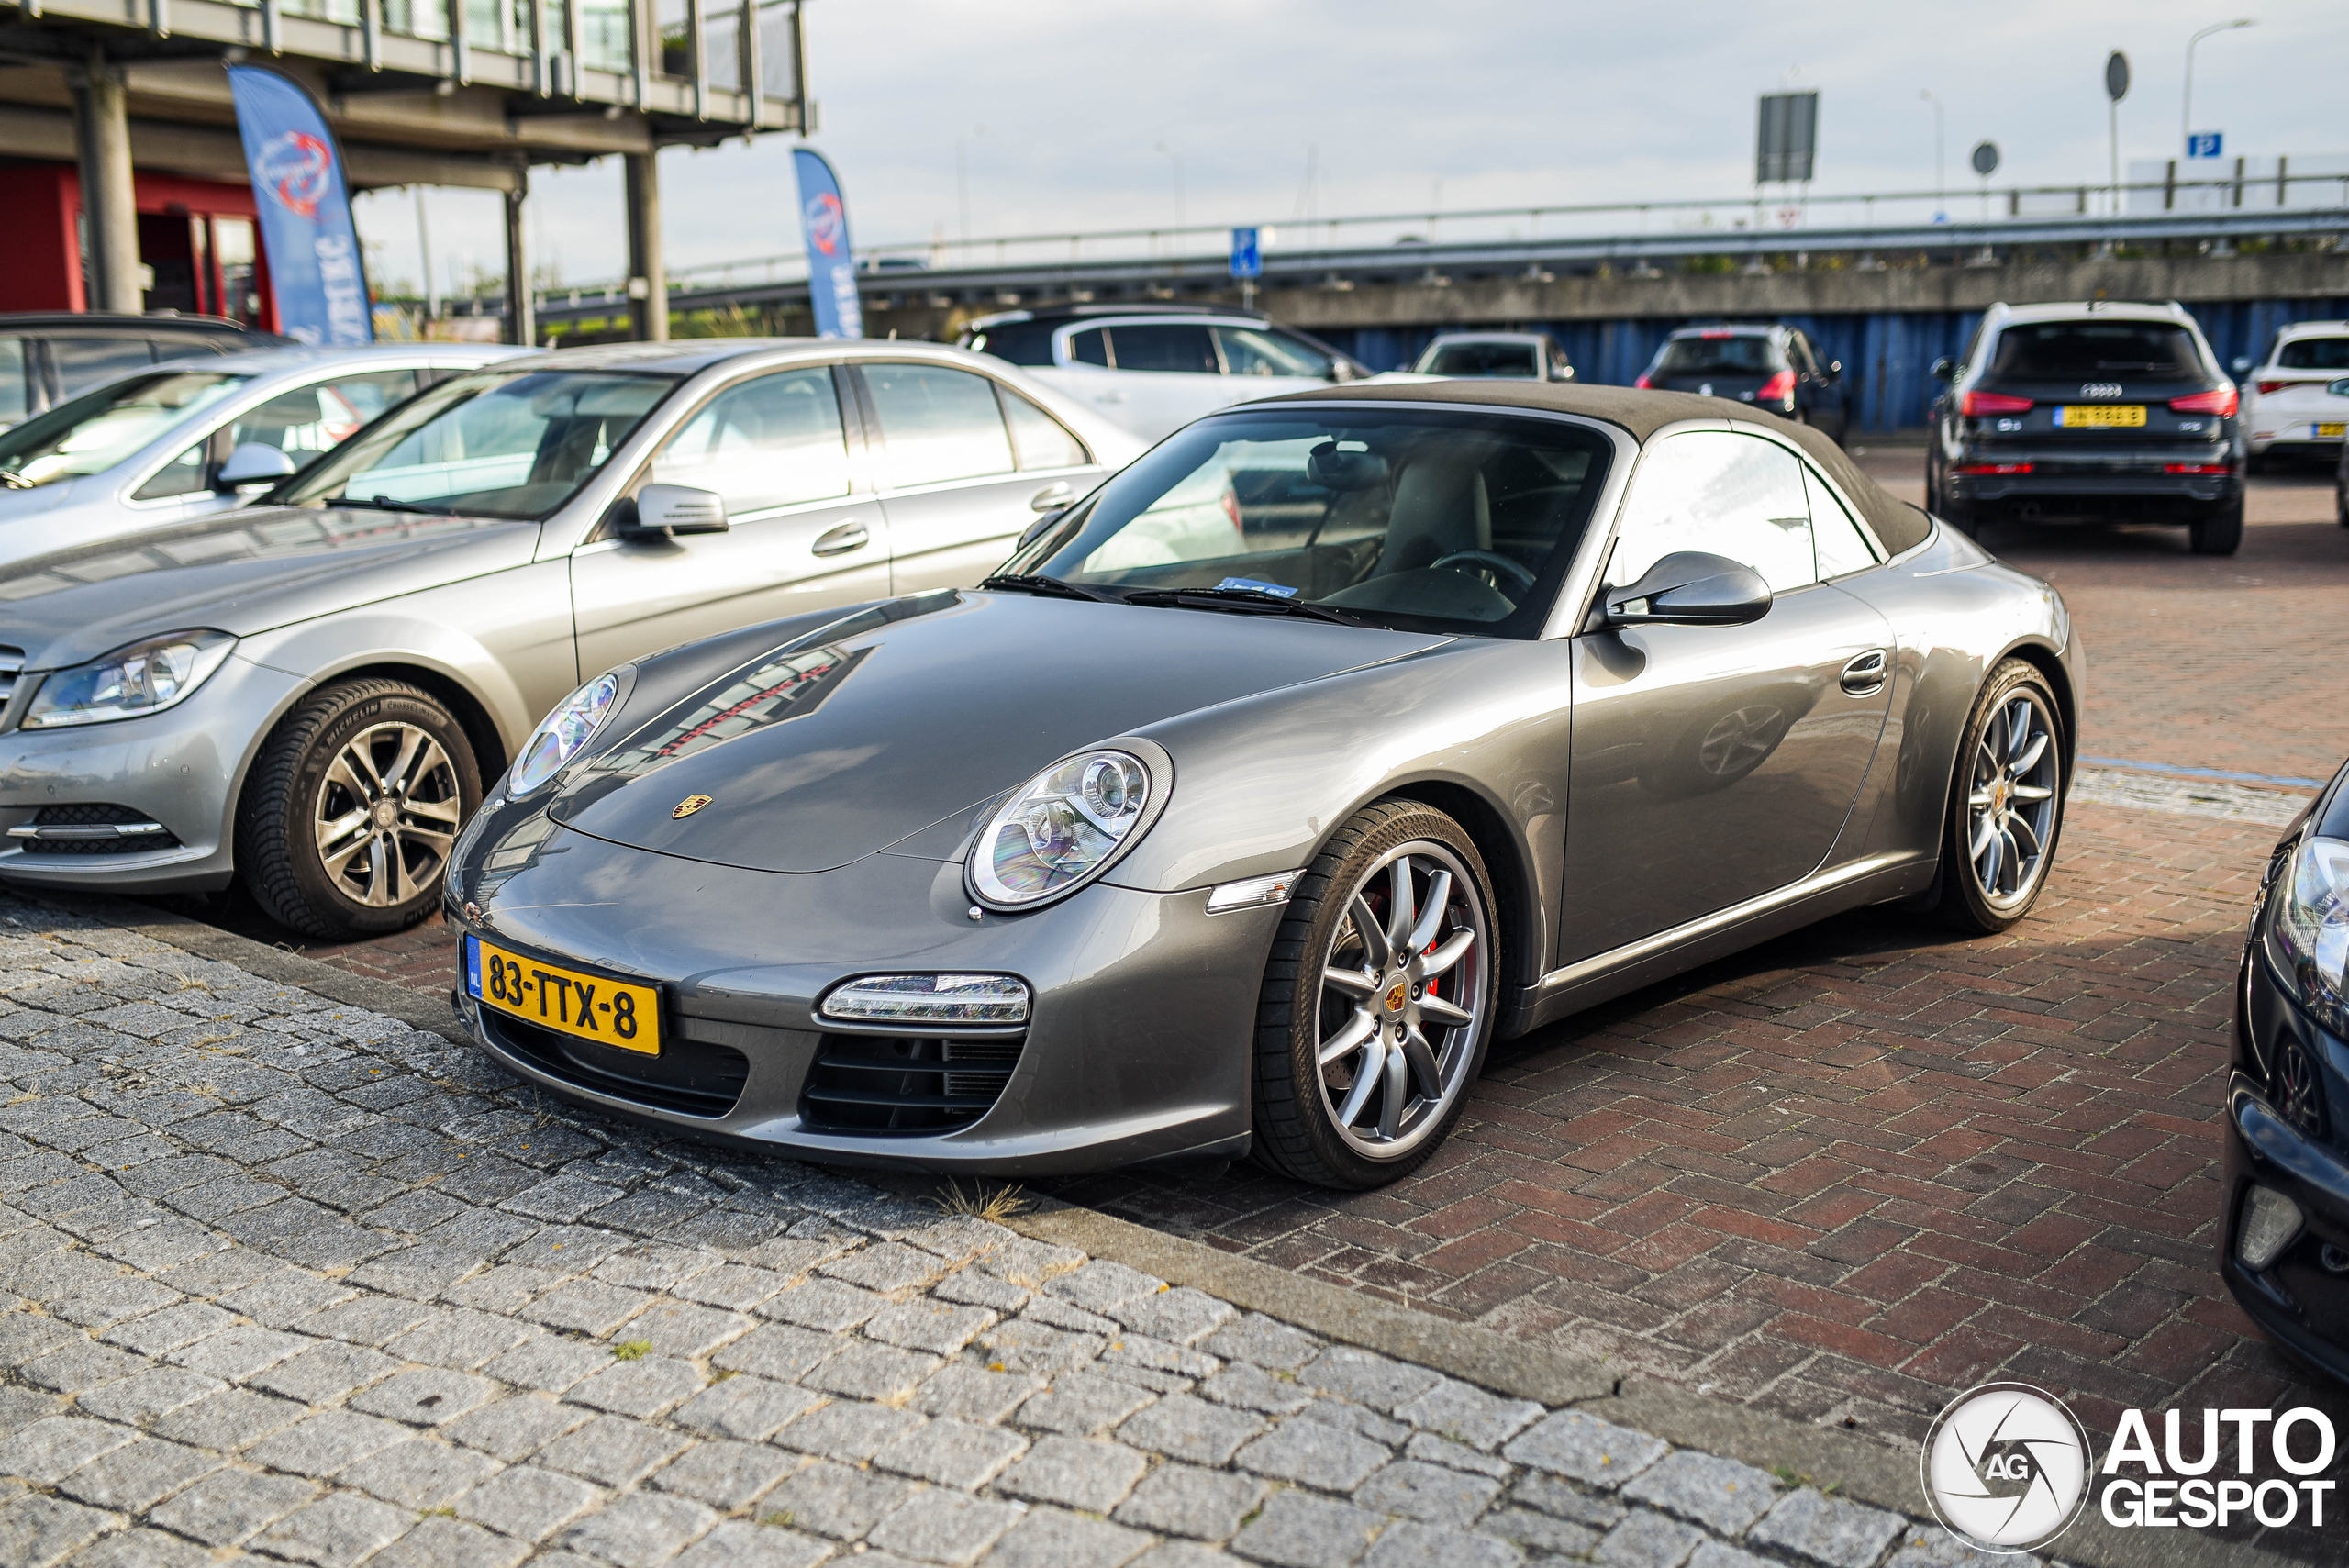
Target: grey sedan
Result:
[308, 694]
[169, 443]
[1260, 793]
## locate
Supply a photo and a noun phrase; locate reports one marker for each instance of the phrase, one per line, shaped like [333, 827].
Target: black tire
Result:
[2221, 533]
[1296, 1126]
[1961, 901]
[294, 786]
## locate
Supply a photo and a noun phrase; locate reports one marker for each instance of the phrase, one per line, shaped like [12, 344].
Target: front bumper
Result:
[1140, 1034]
[2301, 1299]
[181, 768]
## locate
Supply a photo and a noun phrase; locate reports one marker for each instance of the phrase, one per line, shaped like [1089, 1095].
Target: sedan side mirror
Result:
[1690, 587]
[1944, 368]
[672, 509]
[2339, 388]
[254, 463]
[2241, 364]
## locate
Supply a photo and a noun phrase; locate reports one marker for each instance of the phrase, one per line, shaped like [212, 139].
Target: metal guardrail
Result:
[1532, 258]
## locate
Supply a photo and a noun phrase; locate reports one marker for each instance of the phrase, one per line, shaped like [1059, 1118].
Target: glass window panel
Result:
[768, 442]
[1720, 354]
[1840, 544]
[1256, 351]
[184, 475]
[312, 420]
[2074, 351]
[1090, 347]
[1040, 440]
[16, 392]
[1168, 348]
[939, 424]
[604, 37]
[1725, 494]
[93, 432]
[2314, 354]
[84, 362]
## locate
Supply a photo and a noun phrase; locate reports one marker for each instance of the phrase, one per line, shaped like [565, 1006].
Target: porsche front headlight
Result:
[2308, 934]
[1061, 829]
[129, 682]
[561, 734]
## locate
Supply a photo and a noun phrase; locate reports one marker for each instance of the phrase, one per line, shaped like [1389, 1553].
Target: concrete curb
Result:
[1859, 1468]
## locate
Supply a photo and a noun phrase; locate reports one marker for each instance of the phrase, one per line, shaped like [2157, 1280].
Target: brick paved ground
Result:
[1864, 1166]
[280, 1280]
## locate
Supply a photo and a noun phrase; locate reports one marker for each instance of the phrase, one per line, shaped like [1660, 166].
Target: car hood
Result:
[242, 572]
[831, 748]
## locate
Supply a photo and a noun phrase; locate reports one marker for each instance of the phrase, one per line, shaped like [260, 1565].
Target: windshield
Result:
[2314, 354]
[1720, 354]
[100, 428]
[2071, 351]
[1415, 518]
[1511, 361]
[493, 444]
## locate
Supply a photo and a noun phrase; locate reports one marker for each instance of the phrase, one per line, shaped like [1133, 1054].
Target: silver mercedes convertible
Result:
[1264, 787]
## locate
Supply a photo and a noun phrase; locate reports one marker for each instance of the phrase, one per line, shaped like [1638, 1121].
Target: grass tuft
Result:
[632, 1350]
[994, 1208]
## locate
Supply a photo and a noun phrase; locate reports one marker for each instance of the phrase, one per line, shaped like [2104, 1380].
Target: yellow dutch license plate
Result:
[589, 1006]
[2099, 416]
[2332, 432]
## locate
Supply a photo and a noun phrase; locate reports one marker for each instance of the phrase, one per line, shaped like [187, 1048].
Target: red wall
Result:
[41, 269]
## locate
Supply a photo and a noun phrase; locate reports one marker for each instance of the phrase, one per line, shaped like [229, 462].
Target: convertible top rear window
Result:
[1417, 518]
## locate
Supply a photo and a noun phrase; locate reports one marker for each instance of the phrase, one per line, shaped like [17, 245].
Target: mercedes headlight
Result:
[1062, 829]
[564, 733]
[2309, 935]
[129, 682]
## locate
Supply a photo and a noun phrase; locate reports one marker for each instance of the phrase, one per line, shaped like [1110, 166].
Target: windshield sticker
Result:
[1260, 586]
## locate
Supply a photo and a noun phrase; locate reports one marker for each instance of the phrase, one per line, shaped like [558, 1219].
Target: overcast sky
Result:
[1063, 108]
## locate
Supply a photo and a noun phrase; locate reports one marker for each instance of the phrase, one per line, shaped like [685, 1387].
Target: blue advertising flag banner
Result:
[315, 272]
[831, 268]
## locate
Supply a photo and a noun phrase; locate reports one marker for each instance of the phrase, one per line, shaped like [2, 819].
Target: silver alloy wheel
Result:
[386, 814]
[1405, 987]
[2010, 803]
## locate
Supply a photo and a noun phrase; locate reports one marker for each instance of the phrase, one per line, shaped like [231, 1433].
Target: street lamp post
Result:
[1941, 167]
[2185, 102]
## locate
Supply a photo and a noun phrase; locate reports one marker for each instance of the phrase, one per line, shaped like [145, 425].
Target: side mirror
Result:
[1944, 368]
[1690, 587]
[2241, 364]
[2339, 388]
[672, 509]
[254, 463]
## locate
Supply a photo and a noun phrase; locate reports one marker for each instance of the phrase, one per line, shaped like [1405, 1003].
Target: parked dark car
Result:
[2088, 410]
[2285, 1255]
[1776, 368]
[48, 356]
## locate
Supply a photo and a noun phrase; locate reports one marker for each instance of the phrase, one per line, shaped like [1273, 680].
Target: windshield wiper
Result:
[14, 481]
[386, 503]
[1050, 588]
[1248, 601]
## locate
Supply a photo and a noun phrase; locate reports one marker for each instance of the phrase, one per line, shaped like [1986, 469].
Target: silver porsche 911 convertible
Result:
[1264, 787]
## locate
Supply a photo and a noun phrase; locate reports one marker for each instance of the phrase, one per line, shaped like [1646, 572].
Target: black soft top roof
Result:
[1899, 525]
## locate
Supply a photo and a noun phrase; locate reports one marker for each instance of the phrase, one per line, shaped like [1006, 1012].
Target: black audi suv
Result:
[2087, 410]
[1773, 367]
[2285, 1252]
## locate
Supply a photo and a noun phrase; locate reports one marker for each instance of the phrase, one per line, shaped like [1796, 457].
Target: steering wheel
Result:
[1499, 565]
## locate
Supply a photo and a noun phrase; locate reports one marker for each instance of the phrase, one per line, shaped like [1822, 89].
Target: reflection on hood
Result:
[788, 686]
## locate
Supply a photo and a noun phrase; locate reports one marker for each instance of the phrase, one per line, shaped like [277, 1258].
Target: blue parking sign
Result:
[1247, 257]
[2204, 143]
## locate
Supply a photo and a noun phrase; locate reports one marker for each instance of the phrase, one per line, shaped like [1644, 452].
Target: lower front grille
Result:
[905, 1084]
[691, 1076]
[92, 830]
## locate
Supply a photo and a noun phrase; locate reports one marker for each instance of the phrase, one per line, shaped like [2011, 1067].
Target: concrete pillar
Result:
[521, 318]
[648, 277]
[102, 128]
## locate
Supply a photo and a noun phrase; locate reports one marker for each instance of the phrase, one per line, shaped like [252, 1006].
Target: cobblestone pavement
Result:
[280, 1280]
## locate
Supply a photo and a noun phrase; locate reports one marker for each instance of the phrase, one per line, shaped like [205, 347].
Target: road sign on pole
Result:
[1785, 142]
[2204, 144]
[1247, 264]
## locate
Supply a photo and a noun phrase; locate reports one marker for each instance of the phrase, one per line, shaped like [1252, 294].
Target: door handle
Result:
[1053, 497]
[1864, 675]
[840, 540]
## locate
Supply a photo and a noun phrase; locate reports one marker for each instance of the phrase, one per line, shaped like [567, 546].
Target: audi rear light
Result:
[1778, 388]
[2223, 402]
[2198, 468]
[1994, 468]
[2267, 386]
[1972, 403]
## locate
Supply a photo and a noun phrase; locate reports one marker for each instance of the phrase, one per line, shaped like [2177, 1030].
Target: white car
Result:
[1495, 356]
[1153, 370]
[2291, 406]
[171, 443]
